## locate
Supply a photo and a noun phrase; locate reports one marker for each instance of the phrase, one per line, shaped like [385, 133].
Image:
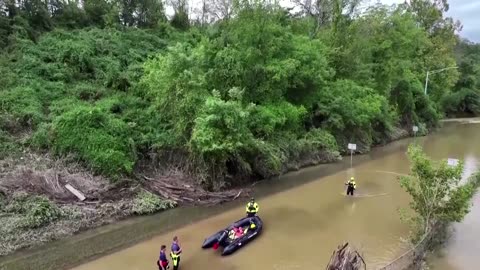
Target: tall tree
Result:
[149, 13]
[326, 12]
[37, 14]
[97, 11]
[180, 19]
[430, 14]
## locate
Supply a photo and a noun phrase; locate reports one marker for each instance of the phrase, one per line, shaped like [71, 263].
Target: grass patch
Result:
[149, 203]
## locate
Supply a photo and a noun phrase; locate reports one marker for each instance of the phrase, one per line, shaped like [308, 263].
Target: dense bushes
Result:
[252, 95]
[97, 137]
[465, 97]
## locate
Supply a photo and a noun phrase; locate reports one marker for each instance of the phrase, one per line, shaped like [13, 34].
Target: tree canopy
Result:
[247, 88]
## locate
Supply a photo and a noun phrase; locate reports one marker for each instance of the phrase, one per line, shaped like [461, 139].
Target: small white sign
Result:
[352, 146]
[452, 162]
[415, 129]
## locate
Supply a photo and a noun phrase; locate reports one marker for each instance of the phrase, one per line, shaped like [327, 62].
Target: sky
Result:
[466, 11]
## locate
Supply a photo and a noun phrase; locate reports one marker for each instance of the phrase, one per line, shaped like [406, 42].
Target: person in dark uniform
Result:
[162, 262]
[252, 208]
[175, 253]
[351, 186]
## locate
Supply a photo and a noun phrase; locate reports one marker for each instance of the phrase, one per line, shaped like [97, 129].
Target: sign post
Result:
[452, 162]
[415, 130]
[352, 147]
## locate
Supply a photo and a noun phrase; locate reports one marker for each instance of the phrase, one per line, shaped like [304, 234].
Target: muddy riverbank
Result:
[115, 237]
[271, 186]
[25, 176]
[316, 215]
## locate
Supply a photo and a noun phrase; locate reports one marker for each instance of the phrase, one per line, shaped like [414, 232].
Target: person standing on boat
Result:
[351, 186]
[162, 259]
[252, 208]
[175, 253]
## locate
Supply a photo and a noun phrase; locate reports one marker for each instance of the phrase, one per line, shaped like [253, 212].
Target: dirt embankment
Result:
[41, 175]
[31, 175]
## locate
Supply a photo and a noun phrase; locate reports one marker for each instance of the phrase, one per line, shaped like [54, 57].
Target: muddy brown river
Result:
[305, 222]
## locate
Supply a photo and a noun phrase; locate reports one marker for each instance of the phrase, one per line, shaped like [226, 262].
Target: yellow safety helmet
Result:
[352, 178]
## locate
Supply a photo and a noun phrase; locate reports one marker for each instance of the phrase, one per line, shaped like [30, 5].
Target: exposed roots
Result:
[181, 192]
[345, 258]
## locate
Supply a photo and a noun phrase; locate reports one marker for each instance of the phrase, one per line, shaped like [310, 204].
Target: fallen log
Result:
[238, 195]
[345, 258]
[187, 193]
[75, 192]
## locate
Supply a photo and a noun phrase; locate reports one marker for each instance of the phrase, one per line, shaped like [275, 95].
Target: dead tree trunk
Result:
[345, 258]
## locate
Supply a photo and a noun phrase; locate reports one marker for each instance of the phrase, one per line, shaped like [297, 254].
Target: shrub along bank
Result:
[439, 198]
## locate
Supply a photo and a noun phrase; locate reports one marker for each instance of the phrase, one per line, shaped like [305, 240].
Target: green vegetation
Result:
[247, 90]
[148, 203]
[465, 96]
[438, 195]
[36, 211]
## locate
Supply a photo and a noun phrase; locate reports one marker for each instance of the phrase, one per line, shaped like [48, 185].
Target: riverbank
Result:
[31, 175]
[124, 235]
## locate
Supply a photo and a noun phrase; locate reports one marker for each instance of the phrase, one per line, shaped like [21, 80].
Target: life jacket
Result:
[352, 184]
[175, 258]
[252, 207]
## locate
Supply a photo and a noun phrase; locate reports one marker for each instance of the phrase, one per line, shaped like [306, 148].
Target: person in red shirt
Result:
[162, 259]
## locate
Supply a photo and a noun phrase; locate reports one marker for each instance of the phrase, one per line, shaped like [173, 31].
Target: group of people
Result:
[251, 210]
[175, 252]
[163, 263]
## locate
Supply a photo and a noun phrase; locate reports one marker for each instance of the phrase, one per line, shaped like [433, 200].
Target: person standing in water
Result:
[162, 259]
[351, 186]
[252, 208]
[175, 253]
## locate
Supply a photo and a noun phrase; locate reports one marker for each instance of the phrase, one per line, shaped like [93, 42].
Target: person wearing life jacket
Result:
[351, 186]
[252, 208]
[175, 253]
[162, 262]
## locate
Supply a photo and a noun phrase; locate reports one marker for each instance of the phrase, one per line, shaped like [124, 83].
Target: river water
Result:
[306, 216]
[461, 249]
[303, 225]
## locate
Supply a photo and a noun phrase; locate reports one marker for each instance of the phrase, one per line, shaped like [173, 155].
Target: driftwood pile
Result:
[345, 258]
[184, 193]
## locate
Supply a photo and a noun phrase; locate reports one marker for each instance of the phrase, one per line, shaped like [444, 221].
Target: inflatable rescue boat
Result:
[235, 236]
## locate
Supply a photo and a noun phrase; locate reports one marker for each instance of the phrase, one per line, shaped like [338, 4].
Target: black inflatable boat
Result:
[230, 242]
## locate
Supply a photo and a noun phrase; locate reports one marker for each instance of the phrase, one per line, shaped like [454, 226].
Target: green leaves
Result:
[221, 129]
[438, 195]
[105, 146]
[260, 90]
